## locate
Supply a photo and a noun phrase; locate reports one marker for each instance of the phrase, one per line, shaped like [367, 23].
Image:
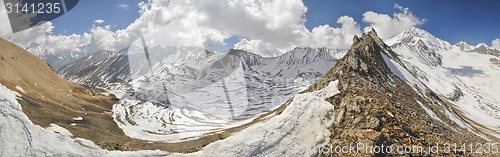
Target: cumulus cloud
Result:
[326, 36]
[496, 44]
[99, 21]
[189, 23]
[256, 21]
[212, 21]
[387, 26]
[175, 23]
[266, 27]
[269, 35]
[41, 40]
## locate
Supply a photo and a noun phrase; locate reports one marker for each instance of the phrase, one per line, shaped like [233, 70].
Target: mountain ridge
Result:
[116, 68]
[377, 107]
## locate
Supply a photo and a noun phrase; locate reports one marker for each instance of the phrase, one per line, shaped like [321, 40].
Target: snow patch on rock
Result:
[59, 130]
[429, 112]
[77, 118]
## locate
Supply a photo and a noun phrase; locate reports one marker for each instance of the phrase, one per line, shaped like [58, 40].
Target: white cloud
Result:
[205, 23]
[123, 6]
[256, 21]
[177, 20]
[99, 21]
[496, 44]
[266, 27]
[40, 40]
[270, 28]
[326, 36]
[387, 26]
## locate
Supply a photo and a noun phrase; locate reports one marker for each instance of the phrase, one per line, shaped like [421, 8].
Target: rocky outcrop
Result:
[495, 61]
[376, 108]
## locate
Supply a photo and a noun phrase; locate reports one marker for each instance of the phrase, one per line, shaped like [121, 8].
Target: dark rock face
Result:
[376, 108]
[365, 59]
[483, 49]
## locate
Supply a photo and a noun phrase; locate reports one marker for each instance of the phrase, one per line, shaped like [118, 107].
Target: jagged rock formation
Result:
[485, 49]
[363, 59]
[376, 107]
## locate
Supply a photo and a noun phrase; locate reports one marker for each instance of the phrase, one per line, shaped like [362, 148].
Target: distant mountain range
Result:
[258, 84]
[479, 48]
[55, 60]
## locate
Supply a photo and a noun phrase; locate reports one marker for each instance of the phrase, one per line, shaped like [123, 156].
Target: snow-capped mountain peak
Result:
[453, 73]
[464, 46]
[481, 45]
[421, 42]
[417, 36]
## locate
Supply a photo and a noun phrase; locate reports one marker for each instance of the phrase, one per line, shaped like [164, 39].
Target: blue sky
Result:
[116, 13]
[451, 20]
